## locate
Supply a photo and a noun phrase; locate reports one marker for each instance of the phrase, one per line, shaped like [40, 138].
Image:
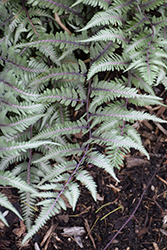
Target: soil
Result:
[97, 222]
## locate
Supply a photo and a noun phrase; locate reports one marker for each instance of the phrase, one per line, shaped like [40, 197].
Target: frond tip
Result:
[102, 162]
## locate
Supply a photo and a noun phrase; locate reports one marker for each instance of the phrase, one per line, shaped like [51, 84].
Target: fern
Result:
[54, 85]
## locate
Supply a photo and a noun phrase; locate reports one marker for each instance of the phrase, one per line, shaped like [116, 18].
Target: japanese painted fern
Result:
[94, 61]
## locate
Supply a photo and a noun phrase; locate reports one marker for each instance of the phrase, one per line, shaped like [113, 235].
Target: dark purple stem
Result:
[30, 19]
[29, 162]
[108, 45]
[87, 108]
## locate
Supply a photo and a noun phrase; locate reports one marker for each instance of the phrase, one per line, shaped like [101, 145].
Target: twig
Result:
[57, 19]
[90, 236]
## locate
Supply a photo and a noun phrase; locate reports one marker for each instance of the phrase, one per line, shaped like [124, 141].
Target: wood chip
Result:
[63, 217]
[155, 246]
[78, 240]
[21, 230]
[148, 125]
[99, 198]
[161, 111]
[142, 231]
[36, 247]
[115, 189]
[135, 161]
[165, 182]
[163, 231]
[48, 233]
[72, 231]
[161, 128]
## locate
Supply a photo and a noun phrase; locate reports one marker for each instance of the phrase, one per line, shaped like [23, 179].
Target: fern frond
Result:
[102, 4]
[64, 40]
[24, 107]
[72, 194]
[14, 125]
[63, 95]
[150, 5]
[114, 35]
[44, 215]
[5, 161]
[102, 162]
[105, 18]
[60, 129]
[6, 178]
[67, 150]
[52, 207]
[2, 218]
[126, 115]
[84, 177]
[29, 95]
[54, 6]
[4, 202]
[58, 170]
[12, 148]
[71, 72]
[108, 63]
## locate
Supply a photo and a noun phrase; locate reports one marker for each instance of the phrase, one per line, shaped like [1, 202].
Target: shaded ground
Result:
[146, 230]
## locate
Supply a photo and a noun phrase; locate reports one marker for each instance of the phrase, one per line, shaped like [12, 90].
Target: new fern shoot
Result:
[47, 71]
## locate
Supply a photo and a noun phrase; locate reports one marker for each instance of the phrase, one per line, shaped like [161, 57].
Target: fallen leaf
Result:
[89, 233]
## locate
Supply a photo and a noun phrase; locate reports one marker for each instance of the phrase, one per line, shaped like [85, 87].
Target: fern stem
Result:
[21, 67]
[30, 157]
[29, 19]
[20, 91]
[108, 45]
[87, 109]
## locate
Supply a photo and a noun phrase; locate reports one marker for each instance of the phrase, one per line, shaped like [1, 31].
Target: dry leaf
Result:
[89, 233]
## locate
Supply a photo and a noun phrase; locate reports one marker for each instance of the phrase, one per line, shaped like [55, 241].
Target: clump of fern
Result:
[49, 67]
